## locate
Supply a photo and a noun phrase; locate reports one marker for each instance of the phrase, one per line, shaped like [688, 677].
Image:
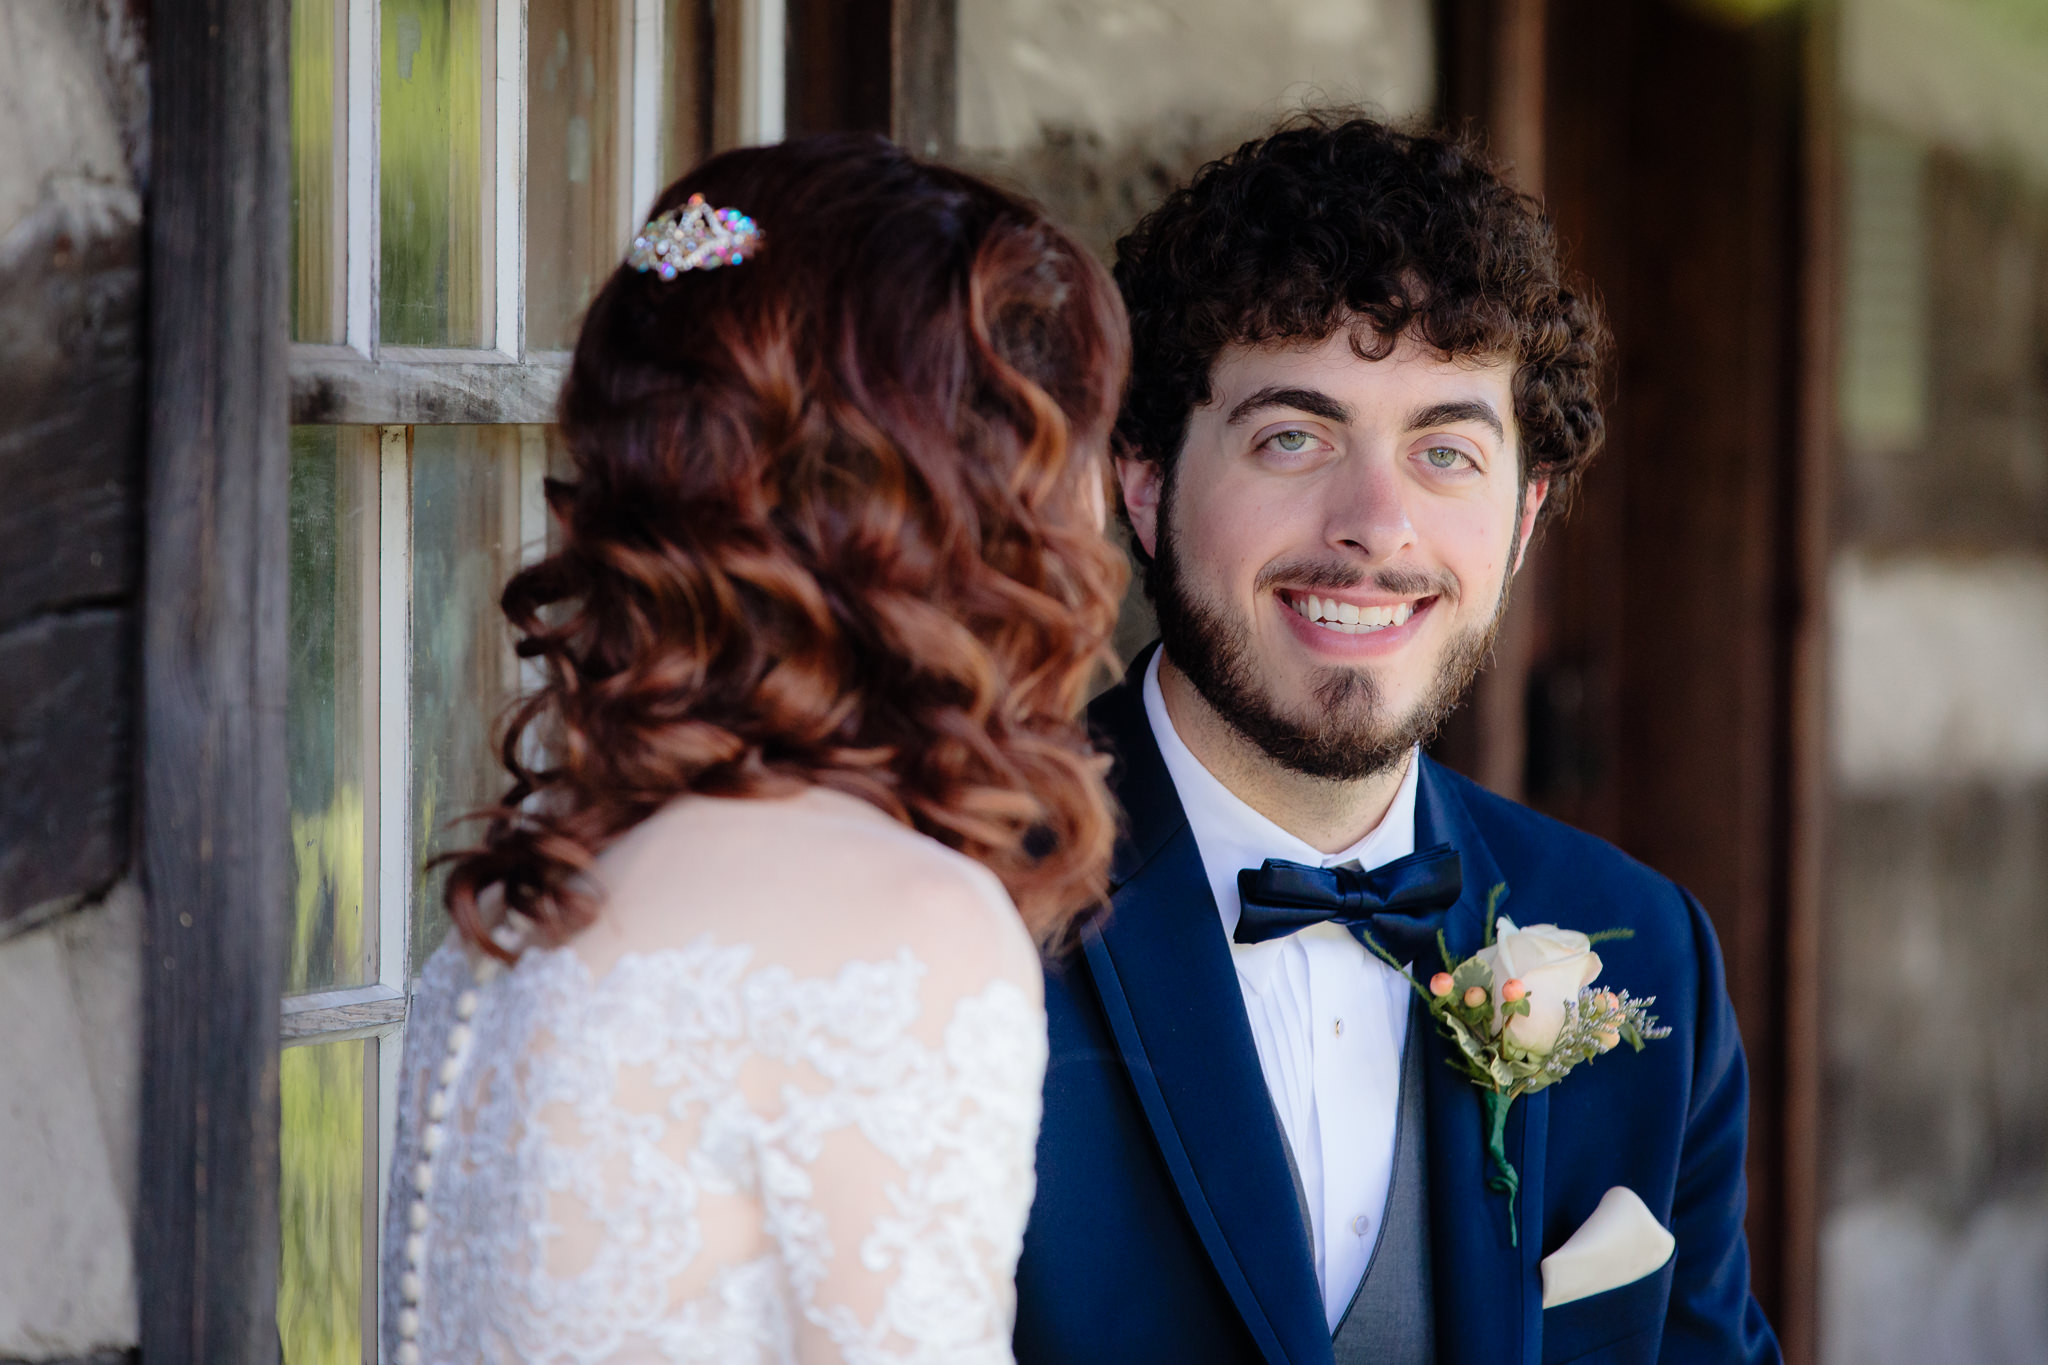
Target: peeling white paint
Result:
[1939, 671]
[1901, 1287]
[1116, 68]
[67, 1272]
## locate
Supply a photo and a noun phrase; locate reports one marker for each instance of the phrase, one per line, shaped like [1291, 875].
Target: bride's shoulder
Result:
[813, 878]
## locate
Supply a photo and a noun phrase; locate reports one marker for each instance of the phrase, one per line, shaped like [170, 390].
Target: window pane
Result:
[323, 1177]
[435, 172]
[319, 167]
[330, 702]
[474, 501]
[576, 185]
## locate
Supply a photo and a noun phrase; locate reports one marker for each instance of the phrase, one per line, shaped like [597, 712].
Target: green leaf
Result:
[1472, 972]
[1605, 934]
[1493, 899]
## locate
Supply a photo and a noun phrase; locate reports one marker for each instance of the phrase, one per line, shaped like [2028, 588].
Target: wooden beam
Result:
[333, 385]
[1805, 774]
[1492, 70]
[840, 69]
[213, 796]
[924, 93]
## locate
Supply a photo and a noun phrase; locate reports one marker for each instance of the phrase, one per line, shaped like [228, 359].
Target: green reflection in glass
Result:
[433, 170]
[329, 701]
[320, 1203]
[471, 486]
[575, 171]
[319, 240]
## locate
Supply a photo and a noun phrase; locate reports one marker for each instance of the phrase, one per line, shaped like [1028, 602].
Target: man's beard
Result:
[1349, 736]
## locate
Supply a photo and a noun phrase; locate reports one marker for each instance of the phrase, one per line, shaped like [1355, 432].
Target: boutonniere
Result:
[1523, 1011]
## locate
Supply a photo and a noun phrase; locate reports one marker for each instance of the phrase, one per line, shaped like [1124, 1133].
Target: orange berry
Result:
[1440, 985]
[1475, 996]
[1512, 989]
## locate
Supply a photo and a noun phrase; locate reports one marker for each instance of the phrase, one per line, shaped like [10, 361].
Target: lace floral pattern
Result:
[703, 1157]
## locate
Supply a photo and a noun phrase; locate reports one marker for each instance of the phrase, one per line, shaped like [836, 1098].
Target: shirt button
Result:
[1340, 1028]
[1361, 1225]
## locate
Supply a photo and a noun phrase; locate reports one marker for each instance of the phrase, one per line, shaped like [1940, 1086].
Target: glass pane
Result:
[325, 1174]
[576, 181]
[435, 173]
[474, 503]
[330, 704]
[319, 169]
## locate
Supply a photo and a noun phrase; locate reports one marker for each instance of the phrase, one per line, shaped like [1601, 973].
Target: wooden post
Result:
[924, 96]
[1804, 761]
[1494, 61]
[213, 793]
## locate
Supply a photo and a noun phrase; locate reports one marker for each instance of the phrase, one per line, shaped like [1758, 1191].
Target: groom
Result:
[1358, 379]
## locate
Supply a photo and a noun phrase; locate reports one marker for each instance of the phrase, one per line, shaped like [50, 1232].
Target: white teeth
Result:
[1347, 618]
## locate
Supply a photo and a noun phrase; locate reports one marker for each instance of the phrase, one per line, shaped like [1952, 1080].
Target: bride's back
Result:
[808, 881]
[735, 1053]
[777, 1096]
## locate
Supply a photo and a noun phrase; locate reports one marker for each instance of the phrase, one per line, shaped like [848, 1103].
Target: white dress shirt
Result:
[1329, 1019]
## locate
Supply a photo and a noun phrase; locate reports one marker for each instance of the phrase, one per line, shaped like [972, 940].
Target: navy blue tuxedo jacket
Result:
[1166, 1226]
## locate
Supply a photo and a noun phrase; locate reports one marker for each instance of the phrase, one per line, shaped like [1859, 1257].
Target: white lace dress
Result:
[763, 1111]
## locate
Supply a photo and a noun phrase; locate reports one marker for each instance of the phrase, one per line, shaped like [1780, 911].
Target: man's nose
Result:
[1367, 512]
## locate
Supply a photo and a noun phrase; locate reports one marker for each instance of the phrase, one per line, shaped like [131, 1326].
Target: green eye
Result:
[1443, 457]
[1291, 442]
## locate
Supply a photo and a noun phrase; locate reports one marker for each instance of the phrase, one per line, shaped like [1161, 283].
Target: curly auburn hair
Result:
[1332, 221]
[836, 520]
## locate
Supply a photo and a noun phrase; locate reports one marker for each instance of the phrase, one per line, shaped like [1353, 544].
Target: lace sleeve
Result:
[895, 1176]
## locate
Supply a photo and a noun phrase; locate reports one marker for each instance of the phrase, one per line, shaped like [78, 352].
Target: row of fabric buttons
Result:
[432, 1138]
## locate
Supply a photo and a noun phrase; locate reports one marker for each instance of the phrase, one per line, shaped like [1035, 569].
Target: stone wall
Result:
[1935, 1235]
[74, 102]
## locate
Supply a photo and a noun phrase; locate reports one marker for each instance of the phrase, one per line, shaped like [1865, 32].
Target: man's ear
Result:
[1142, 482]
[1532, 504]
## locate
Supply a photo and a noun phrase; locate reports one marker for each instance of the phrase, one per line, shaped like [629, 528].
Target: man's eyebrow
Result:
[1314, 402]
[1464, 410]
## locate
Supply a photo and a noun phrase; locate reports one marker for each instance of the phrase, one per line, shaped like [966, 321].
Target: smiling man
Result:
[1359, 379]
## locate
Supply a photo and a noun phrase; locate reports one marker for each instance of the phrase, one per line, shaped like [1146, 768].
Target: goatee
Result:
[1348, 734]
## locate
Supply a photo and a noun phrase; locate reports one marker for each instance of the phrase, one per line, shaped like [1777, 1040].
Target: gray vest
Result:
[1392, 1317]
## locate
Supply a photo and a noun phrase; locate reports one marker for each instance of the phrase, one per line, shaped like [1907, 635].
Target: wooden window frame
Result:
[225, 384]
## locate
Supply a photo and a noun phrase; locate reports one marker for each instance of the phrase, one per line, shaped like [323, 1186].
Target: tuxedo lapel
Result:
[1169, 990]
[1489, 1306]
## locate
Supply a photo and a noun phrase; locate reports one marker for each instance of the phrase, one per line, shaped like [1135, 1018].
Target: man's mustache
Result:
[1338, 576]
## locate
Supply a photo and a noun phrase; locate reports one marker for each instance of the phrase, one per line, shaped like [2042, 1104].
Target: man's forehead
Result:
[1242, 368]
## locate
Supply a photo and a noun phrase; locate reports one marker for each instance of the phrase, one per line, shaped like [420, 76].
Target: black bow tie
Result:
[1281, 897]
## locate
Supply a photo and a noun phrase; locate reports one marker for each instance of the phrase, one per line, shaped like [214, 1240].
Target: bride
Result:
[735, 1053]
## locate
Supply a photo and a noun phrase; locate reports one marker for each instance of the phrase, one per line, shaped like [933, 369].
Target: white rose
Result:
[1553, 964]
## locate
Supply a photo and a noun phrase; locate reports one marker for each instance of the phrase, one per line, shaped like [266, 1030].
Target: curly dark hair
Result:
[1336, 220]
[835, 521]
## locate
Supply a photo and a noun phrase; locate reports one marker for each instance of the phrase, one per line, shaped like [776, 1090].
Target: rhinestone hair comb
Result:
[694, 237]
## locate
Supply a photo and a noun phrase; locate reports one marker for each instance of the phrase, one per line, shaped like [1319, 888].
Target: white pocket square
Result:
[1622, 1241]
